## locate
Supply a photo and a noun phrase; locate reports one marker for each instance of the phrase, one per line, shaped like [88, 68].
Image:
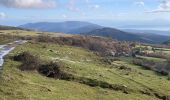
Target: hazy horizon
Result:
[104, 12]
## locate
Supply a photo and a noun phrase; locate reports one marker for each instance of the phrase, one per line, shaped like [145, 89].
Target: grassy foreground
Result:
[30, 85]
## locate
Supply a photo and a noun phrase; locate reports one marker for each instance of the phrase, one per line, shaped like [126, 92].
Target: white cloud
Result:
[2, 15]
[72, 6]
[140, 3]
[28, 3]
[163, 7]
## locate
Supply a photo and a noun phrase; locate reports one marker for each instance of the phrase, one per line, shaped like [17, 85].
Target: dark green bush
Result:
[144, 63]
[53, 69]
[29, 61]
[168, 76]
[161, 68]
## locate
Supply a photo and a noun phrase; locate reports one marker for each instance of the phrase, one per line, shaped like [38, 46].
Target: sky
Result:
[103, 12]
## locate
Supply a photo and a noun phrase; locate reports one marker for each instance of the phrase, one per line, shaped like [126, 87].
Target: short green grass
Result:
[19, 85]
[149, 78]
[152, 58]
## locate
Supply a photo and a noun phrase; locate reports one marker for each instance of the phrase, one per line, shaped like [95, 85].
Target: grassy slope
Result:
[30, 33]
[15, 33]
[25, 33]
[152, 58]
[16, 84]
[149, 78]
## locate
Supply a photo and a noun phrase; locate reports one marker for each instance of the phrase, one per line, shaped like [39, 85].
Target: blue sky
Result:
[105, 12]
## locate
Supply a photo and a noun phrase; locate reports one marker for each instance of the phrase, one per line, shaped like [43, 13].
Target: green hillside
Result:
[79, 68]
[139, 83]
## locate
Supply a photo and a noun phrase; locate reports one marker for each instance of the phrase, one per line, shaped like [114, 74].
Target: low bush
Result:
[109, 60]
[144, 63]
[158, 55]
[163, 72]
[158, 67]
[169, 77]
[123, 67]
[53, 70]
[29, 61]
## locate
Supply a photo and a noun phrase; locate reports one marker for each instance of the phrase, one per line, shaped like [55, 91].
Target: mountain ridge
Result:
[87, 28]
[64, 27]
[3, 27]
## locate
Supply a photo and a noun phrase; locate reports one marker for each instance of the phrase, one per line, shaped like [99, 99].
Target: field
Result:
[130, 81]
[81, 63]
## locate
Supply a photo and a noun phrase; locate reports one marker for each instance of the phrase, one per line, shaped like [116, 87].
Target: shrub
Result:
[163, 72]
[158, 67]
[144, 63]
[97, 44]
[53, 69]
[29, 61]
[50, 70]
[123, 67]
[109, 60]
[168, 76]
[158, 55]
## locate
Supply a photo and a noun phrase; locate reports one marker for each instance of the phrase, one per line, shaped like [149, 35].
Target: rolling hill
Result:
[80, 68]
[166, 42]
[115, 34]
[64, 27]
[10, 28]
[86, 28]
[127, 36]
[69, 72]
[158, 32]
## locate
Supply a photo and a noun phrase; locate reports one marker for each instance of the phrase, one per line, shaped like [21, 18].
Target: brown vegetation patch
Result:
[103, 46]
[158, 55]
[160, 68]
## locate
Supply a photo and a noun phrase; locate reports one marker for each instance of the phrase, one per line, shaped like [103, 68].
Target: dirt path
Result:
[5, 49]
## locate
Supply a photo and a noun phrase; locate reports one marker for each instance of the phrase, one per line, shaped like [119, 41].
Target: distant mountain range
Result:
[127, 36]
[115, 34]
[86, 28]
[64, 27]
[149, 26]
[142, 31]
